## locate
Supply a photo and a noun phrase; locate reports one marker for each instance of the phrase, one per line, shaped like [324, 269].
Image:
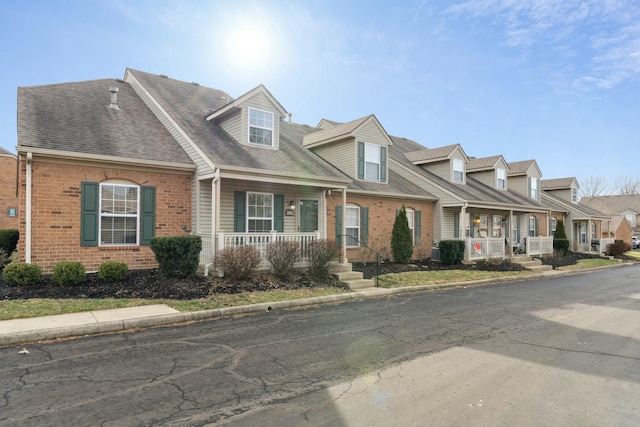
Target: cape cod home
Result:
[106, 165]
[8, 190]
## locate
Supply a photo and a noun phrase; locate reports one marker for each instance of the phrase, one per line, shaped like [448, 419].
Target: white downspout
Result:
[344, 226]
[215, 203]
[27, 214]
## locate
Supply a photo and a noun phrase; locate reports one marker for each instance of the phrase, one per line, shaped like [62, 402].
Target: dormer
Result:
[524, 177]
[252, 119]
[358, 148]
[447, 162]
[491, 171]
[563, 188]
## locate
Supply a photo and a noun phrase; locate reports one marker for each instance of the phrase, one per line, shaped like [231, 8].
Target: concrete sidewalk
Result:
[19, 331]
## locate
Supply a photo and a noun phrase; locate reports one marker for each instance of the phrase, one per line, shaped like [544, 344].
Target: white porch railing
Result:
[540, 245]
[484, 248]
[260, 242]
[207, 253]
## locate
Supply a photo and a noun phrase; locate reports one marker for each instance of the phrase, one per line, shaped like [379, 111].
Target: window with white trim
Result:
[352, 224]
[554, 224]
[458, 170]
[119, 207]
[533, 188]
[260, 127]
[501, 175]
[532, 226]
[594, 228]
[411, 219]
[574, 195]
[260, 212]
[372, 161]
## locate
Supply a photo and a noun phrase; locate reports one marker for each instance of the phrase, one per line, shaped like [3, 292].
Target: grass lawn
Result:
[590, 263]
[416, 278]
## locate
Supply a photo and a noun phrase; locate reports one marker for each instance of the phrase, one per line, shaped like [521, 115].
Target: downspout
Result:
[344, 226]
[27, 214]
[215, 199]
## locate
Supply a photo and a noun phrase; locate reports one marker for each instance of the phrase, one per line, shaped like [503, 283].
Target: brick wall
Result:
[8, 198]
[382, 215]
[56, 213]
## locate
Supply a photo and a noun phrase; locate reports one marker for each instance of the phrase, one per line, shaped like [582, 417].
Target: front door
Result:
[308, 216]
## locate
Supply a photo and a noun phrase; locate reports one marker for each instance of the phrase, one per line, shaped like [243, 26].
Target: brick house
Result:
[121, 161]
[8, 190]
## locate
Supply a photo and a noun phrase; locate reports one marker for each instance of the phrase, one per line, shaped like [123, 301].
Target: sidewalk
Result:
[18, 331]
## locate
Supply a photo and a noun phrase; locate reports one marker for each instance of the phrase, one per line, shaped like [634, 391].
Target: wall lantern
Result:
[476, 220]
[292, 205]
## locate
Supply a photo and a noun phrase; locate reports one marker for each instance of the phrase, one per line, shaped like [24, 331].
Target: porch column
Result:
[343, 240]
[510, 235]
[462, 224]
[215, 210]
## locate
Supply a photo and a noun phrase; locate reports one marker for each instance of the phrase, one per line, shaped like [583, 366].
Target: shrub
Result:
[112, 271]
[282, 256]
[617, 249]
[238, 262]
[560, 233]
[320, 253]
[68, 273]
[21, 273]
[4, 259]
[561, 246]
[177, 255]
[9, 240]
[401, 240]
[451, 251]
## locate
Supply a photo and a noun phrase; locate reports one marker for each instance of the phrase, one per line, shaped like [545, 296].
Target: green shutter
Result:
[364, 225]
[279, 212]
[360, 160]
[383, 164]
[339, 225]
[89, 214]
[239, 210]
[148, 214]
[417, 224]
[456, 225]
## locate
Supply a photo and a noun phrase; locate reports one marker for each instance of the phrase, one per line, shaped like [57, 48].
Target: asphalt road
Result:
[557, 352]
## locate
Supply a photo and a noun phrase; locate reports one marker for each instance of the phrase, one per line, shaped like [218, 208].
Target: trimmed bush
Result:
[9, 240]
[282, 256]
[177, 255]
[238, 262]
[4, 259]
[112, 271]
[451, 251]
[320, 253]
[401, 240]
[21, 273]
[561, 246]
[68, 273]
[617, 249]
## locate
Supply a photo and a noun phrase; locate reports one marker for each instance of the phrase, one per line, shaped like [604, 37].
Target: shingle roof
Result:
[338, 130]
[189, 104]
[427, 155]
[519, 168]
[483, 163]
[613, 204]
[557, 183]
[4, 152]
[75, 117]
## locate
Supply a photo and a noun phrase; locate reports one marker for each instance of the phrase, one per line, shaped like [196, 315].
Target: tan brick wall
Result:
[382, 214]
[8, 198]
[56, 214]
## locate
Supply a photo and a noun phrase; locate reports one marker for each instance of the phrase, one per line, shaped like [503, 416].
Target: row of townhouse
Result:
[105, 165]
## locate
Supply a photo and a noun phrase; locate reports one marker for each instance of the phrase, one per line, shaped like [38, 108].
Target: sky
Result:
[557, 81]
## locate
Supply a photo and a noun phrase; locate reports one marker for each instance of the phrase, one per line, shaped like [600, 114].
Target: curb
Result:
[169, 319]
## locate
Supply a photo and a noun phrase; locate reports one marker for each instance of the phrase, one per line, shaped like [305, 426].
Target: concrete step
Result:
[345, 276]
[338, 268]
[360, 284]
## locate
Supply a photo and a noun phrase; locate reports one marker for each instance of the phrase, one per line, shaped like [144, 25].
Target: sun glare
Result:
[249, 46]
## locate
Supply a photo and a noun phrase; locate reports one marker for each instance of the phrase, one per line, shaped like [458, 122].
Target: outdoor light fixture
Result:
[291, 205]
[476, 220]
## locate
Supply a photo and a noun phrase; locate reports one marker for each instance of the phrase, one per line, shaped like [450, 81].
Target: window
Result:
[582, 227]
[371, 161]
[594, 228]
[574, 195]
[533, 226]
[260, 212]
[554, 224]
[260, 127]
[118, 214]
[411, 218]
[456, 225]
[502, 178]
[458, 170]
[533, 188]
[352, 224]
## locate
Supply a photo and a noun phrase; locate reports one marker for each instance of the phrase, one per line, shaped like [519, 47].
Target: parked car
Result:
[635, 243]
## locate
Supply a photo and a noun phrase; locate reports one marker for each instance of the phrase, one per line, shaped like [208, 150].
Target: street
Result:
[557, 352]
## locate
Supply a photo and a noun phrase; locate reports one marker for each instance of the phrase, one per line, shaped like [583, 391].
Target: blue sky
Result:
[556, 81]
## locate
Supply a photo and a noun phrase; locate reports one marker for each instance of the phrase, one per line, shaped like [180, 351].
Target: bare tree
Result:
[627, 185]
[594, 186]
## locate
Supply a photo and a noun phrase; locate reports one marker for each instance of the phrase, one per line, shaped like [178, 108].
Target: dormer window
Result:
[372, 162]
[574, 195]
[533, 188]
[260, 127]
[501, 176]
[458, 170]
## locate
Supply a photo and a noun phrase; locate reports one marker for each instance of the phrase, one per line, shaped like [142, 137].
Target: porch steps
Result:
[530, 263]
[353, 279]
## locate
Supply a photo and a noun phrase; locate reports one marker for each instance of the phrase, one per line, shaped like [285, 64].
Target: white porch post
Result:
[463, 222]
[510, 234]
[343, 239]
[215, 210]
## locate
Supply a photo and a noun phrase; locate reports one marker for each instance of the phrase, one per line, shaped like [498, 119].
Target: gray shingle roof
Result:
[428, 155]
[519, 168]
[4, 152]
[75, 117]
[613, 204]
[484, 163]
[557, 183]
[342, 129]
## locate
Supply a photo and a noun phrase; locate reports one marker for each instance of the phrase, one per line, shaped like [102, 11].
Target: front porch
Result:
[492, 247]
